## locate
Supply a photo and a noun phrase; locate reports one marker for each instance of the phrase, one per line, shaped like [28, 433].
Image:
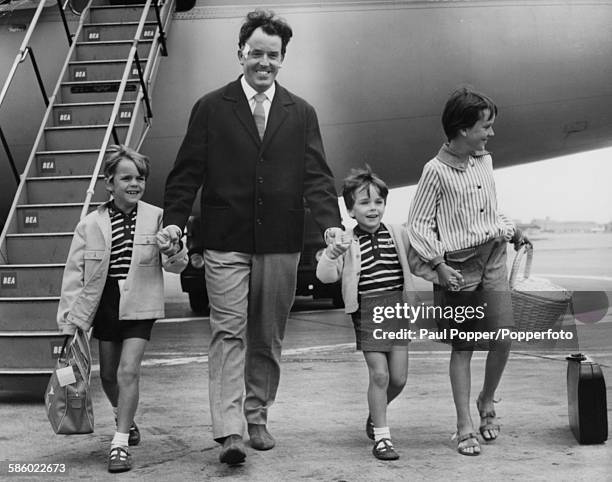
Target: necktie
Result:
[259, 114]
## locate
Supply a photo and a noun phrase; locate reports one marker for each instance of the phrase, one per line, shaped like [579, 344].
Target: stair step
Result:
[28, 314]
[90, 113]
[66, 163]
[127, 13]
[65, 189]
[117, 49]
[101, 70]
[105, 31]
[98, 91]
[31, 383]
[38, 248]
[80, 137]
[29, 350]
[19, 280]
[49, 218]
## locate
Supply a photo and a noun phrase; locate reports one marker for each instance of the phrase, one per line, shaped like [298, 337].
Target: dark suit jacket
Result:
[253, 191]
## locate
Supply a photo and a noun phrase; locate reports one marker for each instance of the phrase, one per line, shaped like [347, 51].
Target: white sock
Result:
[120, 440]
[381, 432]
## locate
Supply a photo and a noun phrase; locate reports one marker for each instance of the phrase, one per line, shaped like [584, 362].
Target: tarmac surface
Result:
[318, 418]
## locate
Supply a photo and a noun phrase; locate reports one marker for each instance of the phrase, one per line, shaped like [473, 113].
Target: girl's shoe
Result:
[383, 450]
[119, 460]
[487, 422]
[467, 441]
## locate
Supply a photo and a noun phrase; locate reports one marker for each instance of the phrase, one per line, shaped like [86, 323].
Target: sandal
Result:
[487, 424]
[119, 460]
[467, 441]
[383, 450]
[369, 428]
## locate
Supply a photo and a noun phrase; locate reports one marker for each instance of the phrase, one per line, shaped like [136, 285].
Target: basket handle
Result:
[516, 264]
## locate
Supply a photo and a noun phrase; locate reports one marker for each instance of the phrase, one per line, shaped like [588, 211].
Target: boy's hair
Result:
[362, 178]
[269, 23]
[462, 110]
[117, 152]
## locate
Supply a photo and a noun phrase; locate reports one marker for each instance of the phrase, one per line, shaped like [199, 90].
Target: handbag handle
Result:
[526, 249]
[81, 354]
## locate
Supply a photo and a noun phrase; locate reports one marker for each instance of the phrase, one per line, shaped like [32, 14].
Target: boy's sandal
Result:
[383, 450]
[369, 428]
[467, 441]
[119, 460]
[487, 424]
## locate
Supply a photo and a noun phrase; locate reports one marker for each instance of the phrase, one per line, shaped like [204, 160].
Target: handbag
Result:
[68, 397]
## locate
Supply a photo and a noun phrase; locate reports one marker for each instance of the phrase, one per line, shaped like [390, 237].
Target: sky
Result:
[569, 188]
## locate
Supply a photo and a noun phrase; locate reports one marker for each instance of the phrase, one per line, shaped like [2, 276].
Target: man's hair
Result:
[359, 179]
[269, 23]
[116, 153]
[463, 110]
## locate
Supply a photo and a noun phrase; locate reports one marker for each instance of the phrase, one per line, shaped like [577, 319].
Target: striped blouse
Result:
[122, 226]
[380, 266]
[455, 206]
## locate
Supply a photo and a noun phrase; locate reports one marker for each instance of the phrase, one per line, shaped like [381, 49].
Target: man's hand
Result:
[449, 278]
[336, 249]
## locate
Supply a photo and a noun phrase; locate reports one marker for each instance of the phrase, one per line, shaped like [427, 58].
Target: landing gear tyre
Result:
[199, 303]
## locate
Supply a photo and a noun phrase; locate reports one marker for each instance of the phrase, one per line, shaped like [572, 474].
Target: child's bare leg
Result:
[494, 369]
[377, 389]
[460, 377]
[128, 376]
[397, 361]
[110, 354]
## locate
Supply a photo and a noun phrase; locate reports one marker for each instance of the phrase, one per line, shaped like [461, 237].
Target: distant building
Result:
[551, 226]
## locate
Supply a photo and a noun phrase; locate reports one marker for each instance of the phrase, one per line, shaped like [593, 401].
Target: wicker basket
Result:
[537, 303]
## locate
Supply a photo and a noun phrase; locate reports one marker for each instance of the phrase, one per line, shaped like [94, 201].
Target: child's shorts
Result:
[485, 290]
[108, 327]
[364, 338]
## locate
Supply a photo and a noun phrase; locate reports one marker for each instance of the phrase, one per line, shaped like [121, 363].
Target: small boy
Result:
[371, 258]
[113, 281]
[454, 225]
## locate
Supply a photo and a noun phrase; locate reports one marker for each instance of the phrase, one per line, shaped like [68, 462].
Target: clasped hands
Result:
[337, 242]
[169, 240]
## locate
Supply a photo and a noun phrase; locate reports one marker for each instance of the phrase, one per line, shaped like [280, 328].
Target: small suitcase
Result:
[586, 400]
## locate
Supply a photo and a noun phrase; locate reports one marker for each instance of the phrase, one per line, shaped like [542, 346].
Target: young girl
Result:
[371, 258]
[113, 281]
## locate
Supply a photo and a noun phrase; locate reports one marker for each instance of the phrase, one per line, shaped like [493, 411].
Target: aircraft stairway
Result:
[101, 98]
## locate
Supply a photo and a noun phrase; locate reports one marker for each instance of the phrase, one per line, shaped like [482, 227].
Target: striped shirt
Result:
[122, 227]
[455, 206]
[380, 266]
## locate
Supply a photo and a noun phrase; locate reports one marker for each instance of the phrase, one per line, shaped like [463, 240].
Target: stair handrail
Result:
[115, 110]
[144, 93]
[12, 211]
[23, 52]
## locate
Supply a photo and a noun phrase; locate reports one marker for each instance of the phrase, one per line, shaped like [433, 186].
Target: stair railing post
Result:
[144, 86]
[38, 76]
[62, 8]
[9, 155]
[162, 34]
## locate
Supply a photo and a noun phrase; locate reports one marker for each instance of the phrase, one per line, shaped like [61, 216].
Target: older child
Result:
[113, 281]
[371, 258]
[454, 225]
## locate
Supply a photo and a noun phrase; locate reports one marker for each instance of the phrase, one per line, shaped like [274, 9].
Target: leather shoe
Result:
[233, 451]
[260, 437]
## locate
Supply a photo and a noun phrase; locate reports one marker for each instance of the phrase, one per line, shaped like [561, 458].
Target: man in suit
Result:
[256, 150]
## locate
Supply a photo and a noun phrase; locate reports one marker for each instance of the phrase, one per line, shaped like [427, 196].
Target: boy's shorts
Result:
[364, 325]
[485, 290]
[108, 327]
